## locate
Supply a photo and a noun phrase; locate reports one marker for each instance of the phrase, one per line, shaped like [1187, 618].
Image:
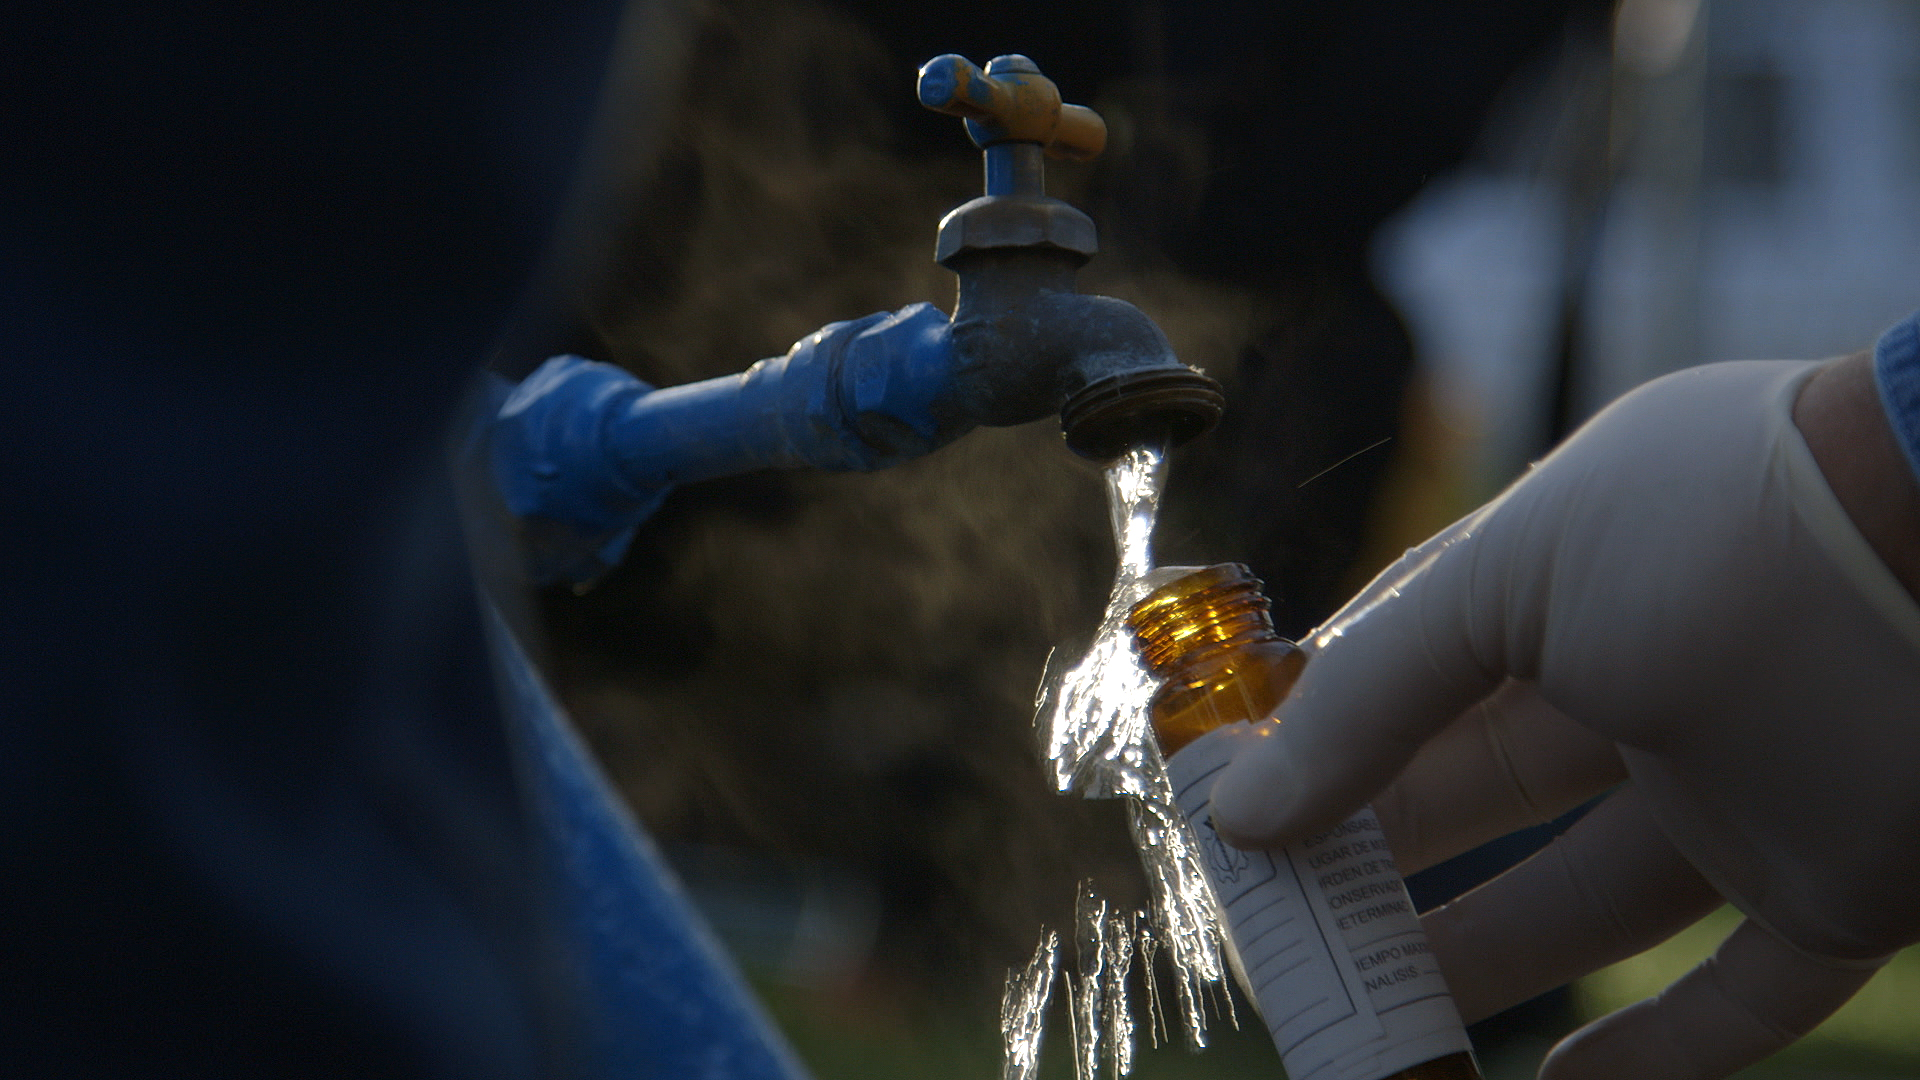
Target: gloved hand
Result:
[1676, 603]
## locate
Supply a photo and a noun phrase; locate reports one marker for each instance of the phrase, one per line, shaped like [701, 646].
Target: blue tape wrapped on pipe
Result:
[582, 452]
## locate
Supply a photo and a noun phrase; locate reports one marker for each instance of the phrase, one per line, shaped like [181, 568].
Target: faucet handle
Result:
[1011, 102]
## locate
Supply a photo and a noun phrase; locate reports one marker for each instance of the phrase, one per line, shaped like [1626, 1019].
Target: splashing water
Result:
[1023, 1010]
[1121, 931]
[1096, 735]
[1090, 947]
[1095, 713]
[1103, 1026]
[1149, 947]
[1105, 1033]
[1186, 917]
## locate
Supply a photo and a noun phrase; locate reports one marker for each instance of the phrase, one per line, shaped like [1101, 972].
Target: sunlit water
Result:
[1093, 720]
[1023, 1010]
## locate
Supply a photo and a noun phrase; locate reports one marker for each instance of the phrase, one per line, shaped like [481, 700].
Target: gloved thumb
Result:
[1385, 674]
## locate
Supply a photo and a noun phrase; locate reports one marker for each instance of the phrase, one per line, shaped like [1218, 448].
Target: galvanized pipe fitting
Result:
[1027, 344]
[582, 452]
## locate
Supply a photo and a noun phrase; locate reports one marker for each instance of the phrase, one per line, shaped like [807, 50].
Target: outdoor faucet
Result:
[1025, 343]
[582, 452]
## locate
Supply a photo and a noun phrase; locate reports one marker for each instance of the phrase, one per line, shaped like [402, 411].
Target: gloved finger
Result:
[1391, 669]
[1753, 996]
[1506, 763]
[1612, 887]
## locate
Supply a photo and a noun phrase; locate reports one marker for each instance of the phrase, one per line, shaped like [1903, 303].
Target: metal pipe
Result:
[582, 451]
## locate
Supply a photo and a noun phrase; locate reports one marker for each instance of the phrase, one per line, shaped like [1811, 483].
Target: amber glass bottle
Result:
[1210, 639]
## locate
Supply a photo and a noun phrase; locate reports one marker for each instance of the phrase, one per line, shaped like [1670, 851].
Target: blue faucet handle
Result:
[1010, 101]
[954, 85]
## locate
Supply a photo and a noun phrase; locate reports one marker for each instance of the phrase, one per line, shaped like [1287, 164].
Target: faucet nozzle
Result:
[1164, 405]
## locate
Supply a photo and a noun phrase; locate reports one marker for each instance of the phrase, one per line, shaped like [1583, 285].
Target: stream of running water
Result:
[1092, 717]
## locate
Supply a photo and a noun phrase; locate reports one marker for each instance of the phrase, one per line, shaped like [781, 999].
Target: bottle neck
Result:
[1210, 640]
[1201, 617]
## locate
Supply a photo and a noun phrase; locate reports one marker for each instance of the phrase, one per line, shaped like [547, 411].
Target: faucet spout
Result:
[1026, 345]
[581, 452]
[1026, 342]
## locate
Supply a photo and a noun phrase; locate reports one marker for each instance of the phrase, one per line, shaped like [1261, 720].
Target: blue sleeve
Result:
[1896, 369]
[264, 811]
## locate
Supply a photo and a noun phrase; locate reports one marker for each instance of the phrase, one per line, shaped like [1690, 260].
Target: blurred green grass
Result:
[870, 1036]
[1876, 1035]
[863, 1039]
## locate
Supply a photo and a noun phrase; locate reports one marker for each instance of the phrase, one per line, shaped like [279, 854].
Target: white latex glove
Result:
[1676, 603]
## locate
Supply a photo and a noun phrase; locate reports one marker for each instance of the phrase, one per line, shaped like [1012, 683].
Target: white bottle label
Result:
[1329, 946]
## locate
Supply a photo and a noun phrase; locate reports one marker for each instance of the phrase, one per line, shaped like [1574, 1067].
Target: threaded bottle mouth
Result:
[1206, 612]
